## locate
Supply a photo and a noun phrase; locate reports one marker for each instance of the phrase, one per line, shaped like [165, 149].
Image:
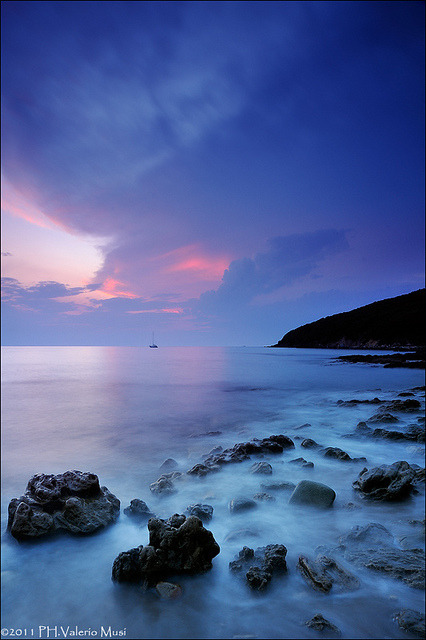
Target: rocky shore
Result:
[181, 545]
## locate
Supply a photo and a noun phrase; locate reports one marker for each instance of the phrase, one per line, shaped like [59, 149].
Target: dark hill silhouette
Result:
[395, 323]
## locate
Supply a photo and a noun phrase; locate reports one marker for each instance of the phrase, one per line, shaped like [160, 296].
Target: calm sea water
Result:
[120, 412]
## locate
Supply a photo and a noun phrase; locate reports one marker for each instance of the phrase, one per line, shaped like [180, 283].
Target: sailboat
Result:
[153, 345]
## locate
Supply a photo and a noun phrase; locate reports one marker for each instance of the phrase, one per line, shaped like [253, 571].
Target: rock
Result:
[176, 545]
[303, 426]
[261, 467]
[319, 623]
[162, 486]
[199, 470]
[241, 504]
[237, 534]
[405, 565]
[302, 462]
[264, 497]
[308, 443]
[138, 509]
[312, 493]
[278, 486]
[411, 621]
[168, 590]
[404, 405]
[383, 417]
[265, 562]
[341, 579]
[72, 501]
[405, 394]
[169, 465]
[202, 511]
[387, 482]
[335, 452]
[371, 535]
[314, 575]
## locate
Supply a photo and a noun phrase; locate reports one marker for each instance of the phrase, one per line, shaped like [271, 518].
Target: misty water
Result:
[120, 412]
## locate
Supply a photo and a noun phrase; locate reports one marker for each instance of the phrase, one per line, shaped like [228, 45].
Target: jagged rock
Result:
[261, 467]
[308, 443]
[169, 465]
[387, 482]
[278, 486]
[264, 497]
[302, 462]
[350, 403]
[162, 486]
[312, 493]
[265, 562]
[241, 504]
[176, 545]
[138, 509]
[383, 417]
[319, 623]
[404, 405]
[72, 501]
[168, 590]
[411, 621]
[199, 470]
[202, 511]
[314, 575]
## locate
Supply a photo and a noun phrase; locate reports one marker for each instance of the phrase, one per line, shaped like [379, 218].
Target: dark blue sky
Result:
[219, 172]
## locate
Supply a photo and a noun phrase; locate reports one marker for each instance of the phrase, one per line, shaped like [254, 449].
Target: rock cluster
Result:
[387, 482]
[72, 501]
[176, 545]
[260, 565]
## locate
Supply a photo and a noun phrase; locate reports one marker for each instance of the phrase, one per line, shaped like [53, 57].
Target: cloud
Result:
[286, 260]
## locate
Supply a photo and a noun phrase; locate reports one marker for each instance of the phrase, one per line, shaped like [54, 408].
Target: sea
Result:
[120, 412]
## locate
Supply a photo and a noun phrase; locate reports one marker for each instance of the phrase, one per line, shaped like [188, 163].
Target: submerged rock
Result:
[371, 535]
[138, 509]
[383, 417]
[169, 465]
[387, 482]
[411, 621]
[325, 573]
[312, 493]
[176, 545]
[278, 486]
[335, 452]
[261, 467]
[168, 590]
[162, 486]
[319, 623]
[308, 443]
[202, 511]
[72, 501]
[264, 497]
[241, 504]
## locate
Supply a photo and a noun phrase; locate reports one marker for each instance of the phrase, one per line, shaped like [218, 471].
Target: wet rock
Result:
[341, 578]
[335, 452]
[319, 623]
[405, 394]
[312, 493]
[238, 534]
[169, 465]
[138, 509]
[202, 511]
[72, 501]
[387, 482]
[308, 443]
[416, 432]
[278, 486]
[411, 621]
[387, 418]
[264, 497]
[363, 429]
[302, 462]
[404, 405]
[241, 504]
[263, 564]
[168, 590]
[162, 486]
[176, 545]
[261, 467]
[351, 403]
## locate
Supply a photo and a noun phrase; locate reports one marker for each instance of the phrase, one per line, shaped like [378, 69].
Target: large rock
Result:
[313, 494]
[260, 565]
[241, 504]
[72, 501]
[202, 511]
[138, 510]
[176, 545]
[387, 482]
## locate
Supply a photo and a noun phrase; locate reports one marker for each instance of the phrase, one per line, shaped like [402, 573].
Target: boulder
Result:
[411, 621]
[308, 443]
[261, 467]
[138, 509]
[312, 493]
[202, 511]
[387, 482]
[302, 462]
[383, 417]
[199, 470]
[72, 501]
[177, 545]
[335, 452]
[241, 504]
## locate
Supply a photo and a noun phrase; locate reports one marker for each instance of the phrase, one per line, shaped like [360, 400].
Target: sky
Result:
[218, 173]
